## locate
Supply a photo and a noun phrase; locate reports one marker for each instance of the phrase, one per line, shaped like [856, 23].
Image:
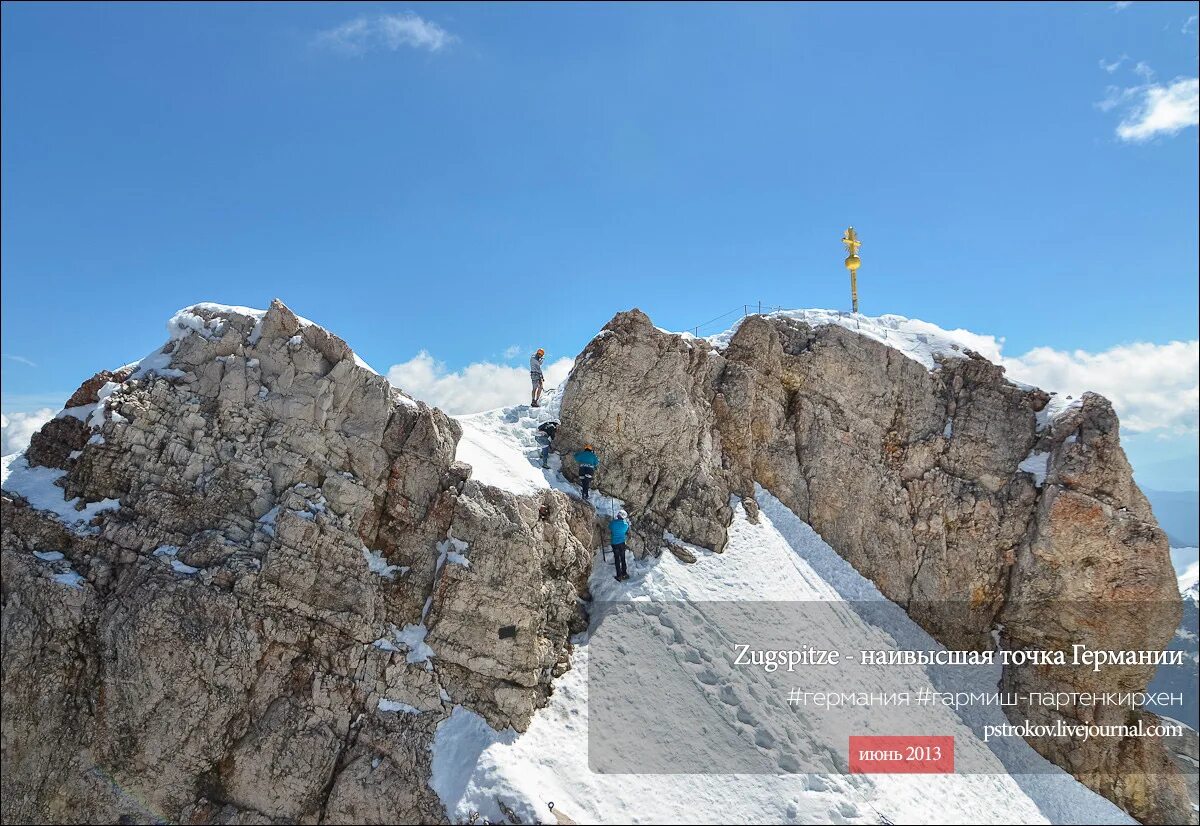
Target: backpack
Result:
[549, 428]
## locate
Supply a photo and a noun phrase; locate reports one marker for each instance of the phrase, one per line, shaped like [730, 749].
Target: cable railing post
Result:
[745, 314]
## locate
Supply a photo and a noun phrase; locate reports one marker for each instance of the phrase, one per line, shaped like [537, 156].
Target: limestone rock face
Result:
[952, 488]
[1069, 587]
[641, 397]
[294, 545]
[501, 623]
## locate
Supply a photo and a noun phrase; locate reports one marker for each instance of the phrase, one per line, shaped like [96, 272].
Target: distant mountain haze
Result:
[1177, 514]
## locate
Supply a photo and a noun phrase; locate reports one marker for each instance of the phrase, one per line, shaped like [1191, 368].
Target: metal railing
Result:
[745, 310]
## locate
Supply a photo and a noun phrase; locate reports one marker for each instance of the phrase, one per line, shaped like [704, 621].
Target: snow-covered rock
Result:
[247, 581]
[238, 520]
[968, 499]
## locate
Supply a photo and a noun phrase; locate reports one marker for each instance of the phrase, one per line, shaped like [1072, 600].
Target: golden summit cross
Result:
[853, 262]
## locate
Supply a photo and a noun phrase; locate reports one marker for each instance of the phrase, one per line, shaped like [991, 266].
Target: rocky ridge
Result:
[272, 581]
[980, 505]
[283, 583]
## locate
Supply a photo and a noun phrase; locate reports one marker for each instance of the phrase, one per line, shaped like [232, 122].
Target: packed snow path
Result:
[503, 450]
[780, 558]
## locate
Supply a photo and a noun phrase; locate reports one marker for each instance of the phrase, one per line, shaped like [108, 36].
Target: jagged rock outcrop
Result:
[952, 488]
[293, 585]
[1091, 573]
[652, 422]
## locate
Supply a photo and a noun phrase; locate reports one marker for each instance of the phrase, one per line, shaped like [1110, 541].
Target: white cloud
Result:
[1190, 26]
[1121, 5]
[1114, 65]
[1153, 387]
[1113, 98]
[478, 386]
[386, 31]
[20, 360]
[512, 352]
[1154, 108]
[17, 428]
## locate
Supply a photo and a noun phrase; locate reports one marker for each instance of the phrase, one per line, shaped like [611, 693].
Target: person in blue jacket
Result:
[588, 462]
[619, 527]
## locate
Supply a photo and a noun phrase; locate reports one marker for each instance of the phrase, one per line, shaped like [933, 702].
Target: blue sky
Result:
[464, 179]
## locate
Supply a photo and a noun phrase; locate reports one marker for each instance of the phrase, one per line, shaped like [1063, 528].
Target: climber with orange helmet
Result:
[535, 375]
[588, 462]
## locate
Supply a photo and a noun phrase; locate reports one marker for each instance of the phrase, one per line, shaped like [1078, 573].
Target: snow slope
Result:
[780, 558]
[919, 340]
[502, 448]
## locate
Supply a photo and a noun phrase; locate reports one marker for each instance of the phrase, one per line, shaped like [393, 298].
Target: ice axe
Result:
[604, 551]
[604, 546]
[612, 514]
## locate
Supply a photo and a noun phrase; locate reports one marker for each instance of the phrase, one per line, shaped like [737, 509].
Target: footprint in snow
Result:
[764, 739]
[845, 812]
[815, 783]
[746, 717]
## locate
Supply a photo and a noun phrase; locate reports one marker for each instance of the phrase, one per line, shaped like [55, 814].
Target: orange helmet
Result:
[587, 445]
[541, 352]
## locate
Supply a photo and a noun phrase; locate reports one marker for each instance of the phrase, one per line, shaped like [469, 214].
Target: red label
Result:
[901, 755]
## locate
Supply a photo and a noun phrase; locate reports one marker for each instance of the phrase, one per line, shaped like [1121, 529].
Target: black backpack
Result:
[549, 428]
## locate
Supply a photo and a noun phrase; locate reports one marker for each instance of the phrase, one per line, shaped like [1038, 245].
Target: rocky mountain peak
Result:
[974, 502]
[290, 582]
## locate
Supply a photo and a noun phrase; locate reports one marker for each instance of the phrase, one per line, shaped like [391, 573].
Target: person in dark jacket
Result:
[588, 462]
[619, 528]
[546, 431]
